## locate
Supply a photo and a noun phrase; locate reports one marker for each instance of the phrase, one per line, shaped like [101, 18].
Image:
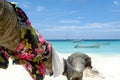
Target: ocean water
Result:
[105, 47]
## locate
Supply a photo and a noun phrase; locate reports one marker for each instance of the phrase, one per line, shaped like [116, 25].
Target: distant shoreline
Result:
[84, 39]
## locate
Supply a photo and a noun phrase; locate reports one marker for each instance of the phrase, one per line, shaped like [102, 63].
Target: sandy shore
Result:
[108, 66]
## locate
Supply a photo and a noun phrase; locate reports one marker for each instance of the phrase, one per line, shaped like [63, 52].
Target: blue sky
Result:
[74, 19]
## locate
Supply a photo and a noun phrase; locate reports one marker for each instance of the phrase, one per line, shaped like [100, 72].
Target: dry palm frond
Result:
[9, 26]
[93, 73]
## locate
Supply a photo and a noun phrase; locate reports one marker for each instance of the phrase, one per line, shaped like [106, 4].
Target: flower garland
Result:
[33, 50]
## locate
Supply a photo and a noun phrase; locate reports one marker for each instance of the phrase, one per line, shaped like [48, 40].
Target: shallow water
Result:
[106, 47]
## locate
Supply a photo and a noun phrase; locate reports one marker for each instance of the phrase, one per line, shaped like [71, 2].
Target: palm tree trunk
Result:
[9, 26]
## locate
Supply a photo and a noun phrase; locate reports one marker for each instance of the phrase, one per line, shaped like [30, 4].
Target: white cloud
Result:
[63, 28]
[109, 30]
[77, 0]
[73, 12]
[24, 4]
[81, 17]
[108, 25]
[97, 25]
[116, 2]
[116, 10]
[67, 0]
[40, 8]
[69, 21]
[94, 27]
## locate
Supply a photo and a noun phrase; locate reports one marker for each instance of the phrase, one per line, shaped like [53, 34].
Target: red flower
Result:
[28, 67]
[6, 55]
[26, 56]
[42, 69]
[20, 47]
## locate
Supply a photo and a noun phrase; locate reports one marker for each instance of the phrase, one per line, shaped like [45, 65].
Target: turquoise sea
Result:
[104, 47]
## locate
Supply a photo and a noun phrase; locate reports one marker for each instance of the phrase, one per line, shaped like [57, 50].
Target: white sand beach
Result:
[108, 66]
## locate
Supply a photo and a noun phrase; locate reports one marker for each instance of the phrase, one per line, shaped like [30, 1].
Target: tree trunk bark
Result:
[9, 26]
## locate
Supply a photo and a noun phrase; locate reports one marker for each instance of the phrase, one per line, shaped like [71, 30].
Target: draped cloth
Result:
[57, 63]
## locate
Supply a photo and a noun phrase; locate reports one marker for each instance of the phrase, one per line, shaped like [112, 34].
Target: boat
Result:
[103, 43]
[87, 46]
[77, 41]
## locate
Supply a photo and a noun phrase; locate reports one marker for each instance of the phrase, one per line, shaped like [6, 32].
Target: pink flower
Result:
[28, 66]
[37, 50]
[42, 69]
[20, 47]
[49, 46]
[6, 54]
[26, 56]
[41, 39]
[28, 22]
